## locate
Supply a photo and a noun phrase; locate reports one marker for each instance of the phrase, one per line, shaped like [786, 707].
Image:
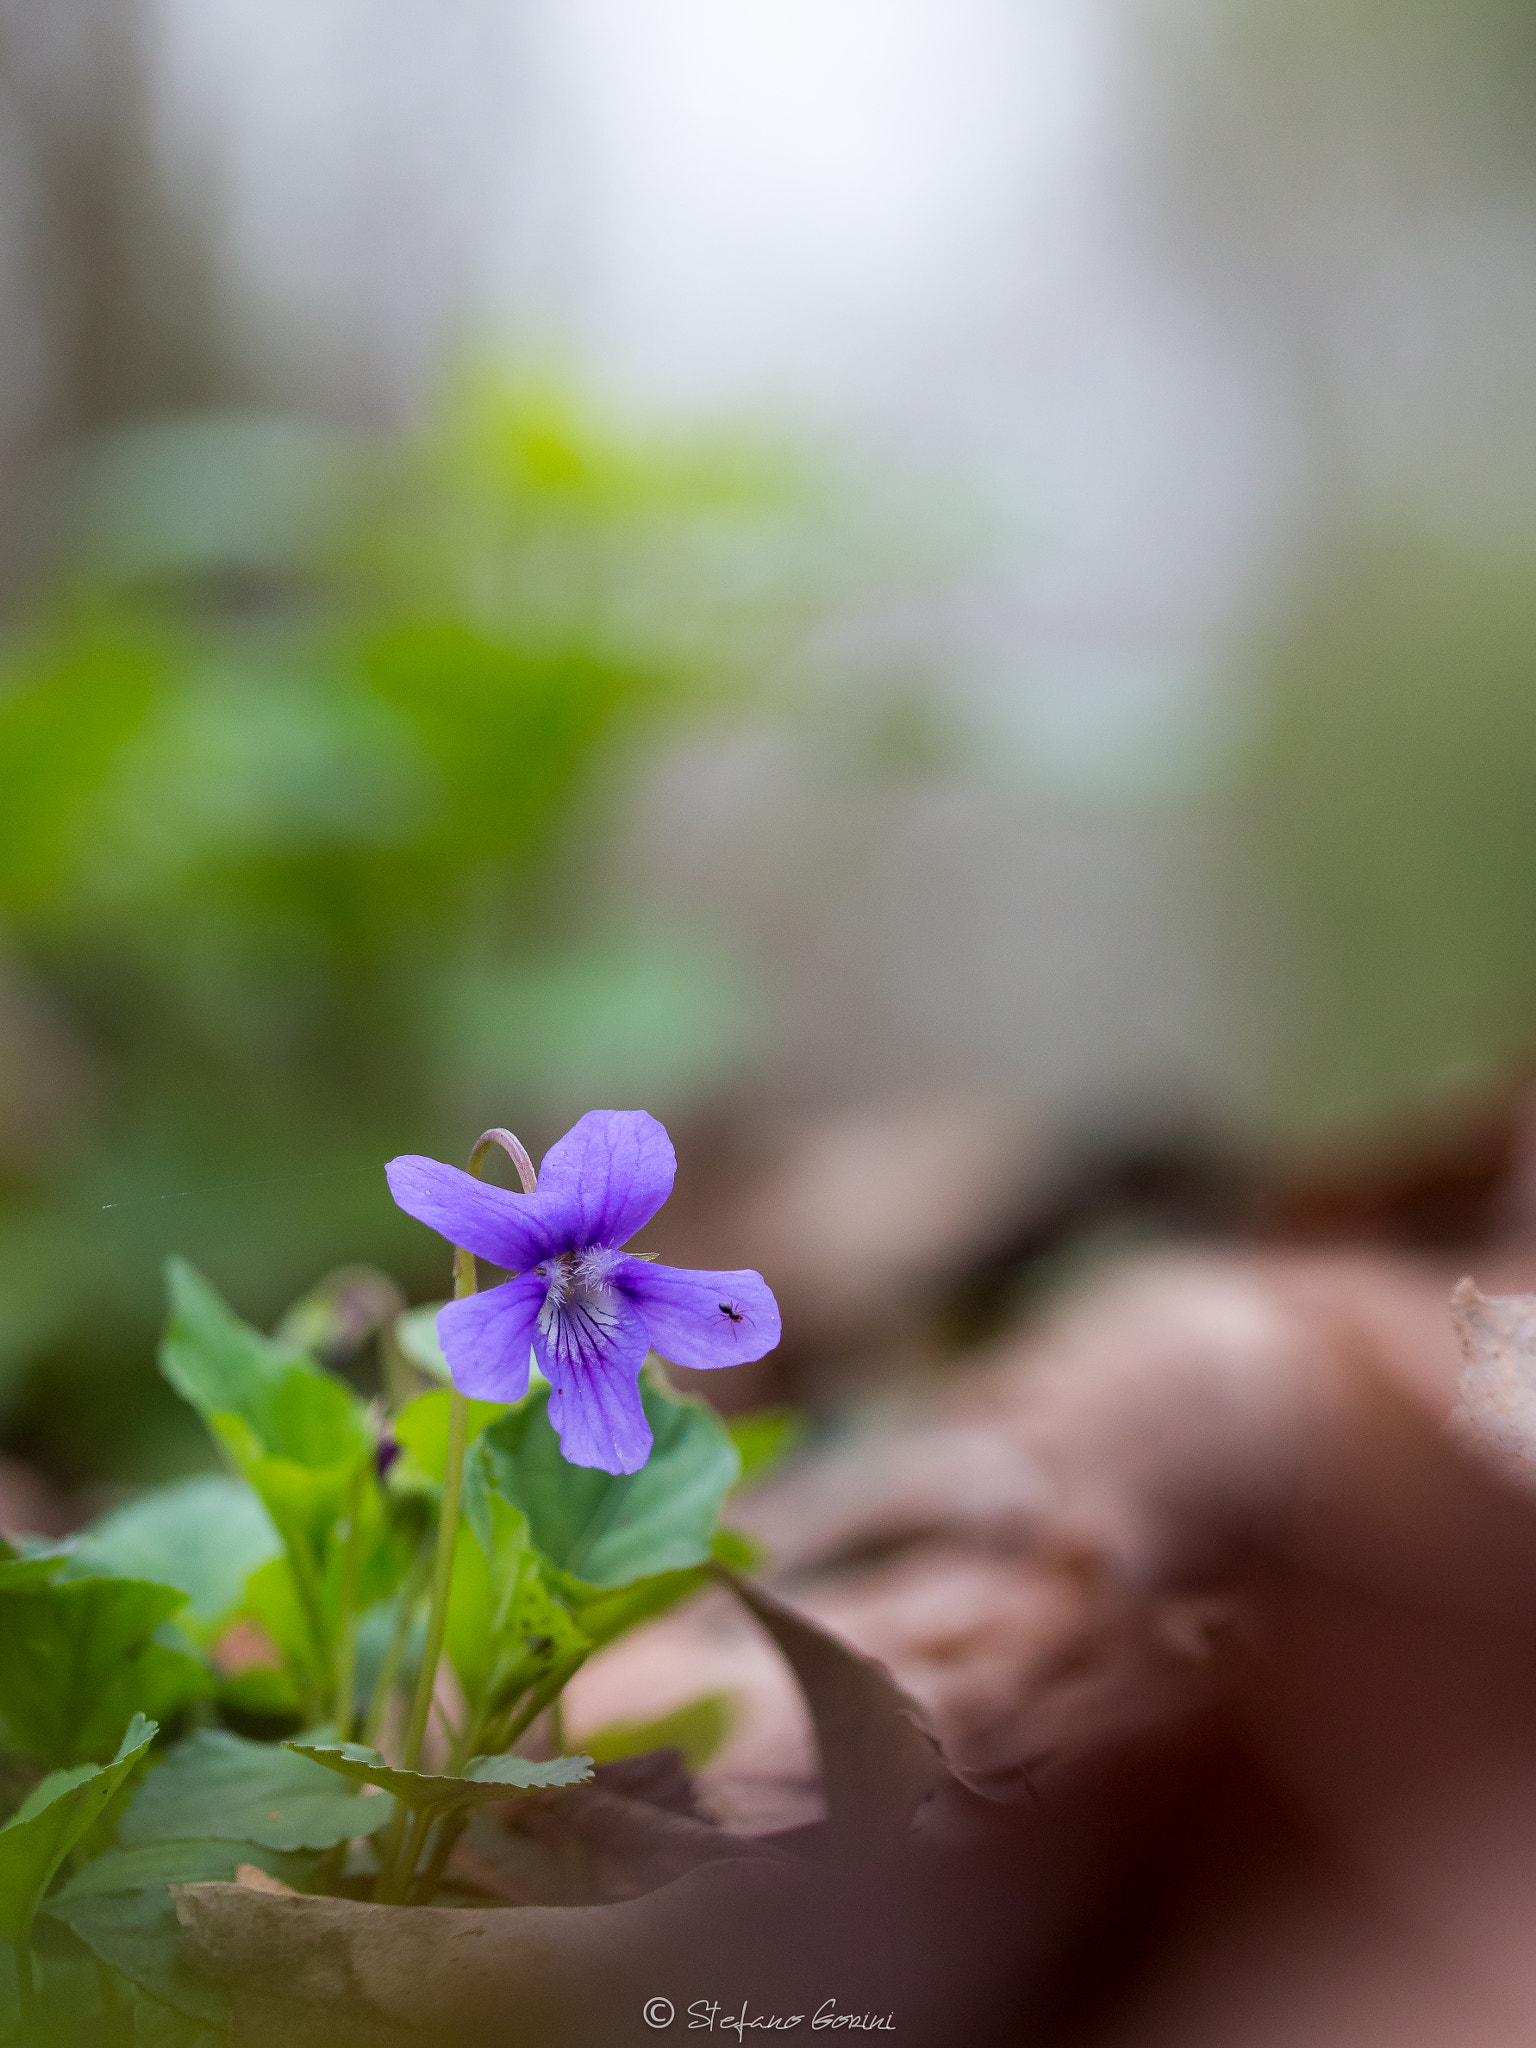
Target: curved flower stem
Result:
[514, 1149]
[398, 1862]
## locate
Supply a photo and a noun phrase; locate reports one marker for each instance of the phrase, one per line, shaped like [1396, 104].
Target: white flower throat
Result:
[582, 1308]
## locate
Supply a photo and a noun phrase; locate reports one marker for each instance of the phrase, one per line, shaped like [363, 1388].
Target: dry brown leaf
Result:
[1204, 1558]
[332, 1973]
[255, 1879]
[601, 1846]
[1497, 1409]
[879, 1762]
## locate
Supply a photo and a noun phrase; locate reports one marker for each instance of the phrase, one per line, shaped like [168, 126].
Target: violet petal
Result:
[611, 1172]
[702, 1320]
[487, 1338]
[592, 1358]
[513, 1231]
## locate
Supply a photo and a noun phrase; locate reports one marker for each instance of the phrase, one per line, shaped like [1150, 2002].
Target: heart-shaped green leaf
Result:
[204, 1535]
[484, 1780]
[224, 1367]
[214, 1784]
[54, 1817]
[77, 1659]
[297, 1432]
[609, 1530]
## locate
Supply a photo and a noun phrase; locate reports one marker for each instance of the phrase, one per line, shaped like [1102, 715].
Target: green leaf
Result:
[304, 1501]
[156, 2025]
[138, 1933]
[77, 1659]
[485, 1779]
[225, 1368]
[55, 1816]
[500, 1528]
[611, 1530]
[763, 1438]
[506, 1635]
[272, 1599]
[422, 1427]
[205, 1536]
[120, 1907]
[736, 1551]
[262, 1693]
[298, 1433]
[214, 1784]
[697, 1729]
[509, 1638]
[416, 1334]
[18, 1569]
[486, 1601]
[191, 1862]
[603, 1615]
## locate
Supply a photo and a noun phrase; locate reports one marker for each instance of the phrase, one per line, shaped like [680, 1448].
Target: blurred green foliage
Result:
[303, 761]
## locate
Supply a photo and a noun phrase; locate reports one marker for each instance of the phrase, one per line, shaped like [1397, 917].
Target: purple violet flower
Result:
[585, 1308]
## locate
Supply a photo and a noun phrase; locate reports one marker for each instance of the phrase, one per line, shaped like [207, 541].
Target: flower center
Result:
[580, 1275]
[581, 1309]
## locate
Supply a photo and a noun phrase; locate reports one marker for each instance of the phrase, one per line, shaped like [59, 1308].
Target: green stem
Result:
[346, 1647]
[545, 1695]
[312, 1602]
[415, 1584]
[389, 1855]
[397, 1862]
[397, 1859]
[395, 1881]
[465, 1747]
[328, 1871]
[396, 1856]
[557, 1726]
[442, 1571]
[449, 1829]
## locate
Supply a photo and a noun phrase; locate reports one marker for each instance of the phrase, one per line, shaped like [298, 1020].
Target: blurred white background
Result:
[1140, 301]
